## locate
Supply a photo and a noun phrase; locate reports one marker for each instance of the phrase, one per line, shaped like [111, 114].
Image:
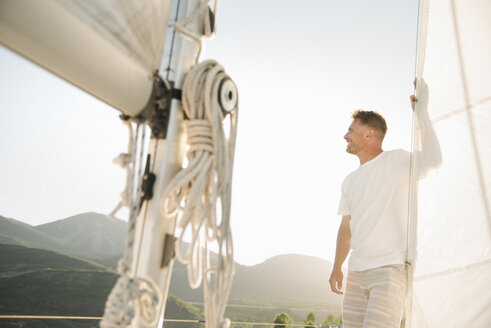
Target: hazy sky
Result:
[301, 68]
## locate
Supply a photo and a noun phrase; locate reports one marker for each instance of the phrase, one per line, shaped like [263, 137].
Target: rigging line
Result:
[411, 175]
[13, 316]
[9, 316]
[154, 157]
[417, 39]
[412, 186]
[453, 270]
[423, 6]
[142, 160]
[168, 69]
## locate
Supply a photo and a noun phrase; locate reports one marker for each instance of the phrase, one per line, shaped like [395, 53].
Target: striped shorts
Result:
[375, 298]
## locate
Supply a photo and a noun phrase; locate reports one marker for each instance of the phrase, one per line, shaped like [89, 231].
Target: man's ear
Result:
[370, 133]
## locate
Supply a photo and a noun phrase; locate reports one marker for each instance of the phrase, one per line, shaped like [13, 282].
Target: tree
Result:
[309, 320]
[282, 318]
[330, 320]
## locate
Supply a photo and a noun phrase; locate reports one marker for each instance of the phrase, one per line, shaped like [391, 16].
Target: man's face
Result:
[355, 137]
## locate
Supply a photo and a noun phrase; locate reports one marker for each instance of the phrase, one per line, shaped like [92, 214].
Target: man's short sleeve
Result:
[344, 208]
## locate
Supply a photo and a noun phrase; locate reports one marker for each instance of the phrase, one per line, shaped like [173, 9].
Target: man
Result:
[374, 209]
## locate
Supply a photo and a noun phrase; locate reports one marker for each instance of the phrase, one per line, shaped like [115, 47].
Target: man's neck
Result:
[368, 155]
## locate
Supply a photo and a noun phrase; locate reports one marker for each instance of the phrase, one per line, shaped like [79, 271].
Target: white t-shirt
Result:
[376, 195]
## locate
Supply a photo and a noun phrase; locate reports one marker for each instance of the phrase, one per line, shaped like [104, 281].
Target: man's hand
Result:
[413, 101]
[342, 250]
[336, 281]
[413, 97]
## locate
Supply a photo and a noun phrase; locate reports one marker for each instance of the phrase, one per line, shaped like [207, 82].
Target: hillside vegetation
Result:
[92, 235]
[41, 282]
[295, 284]
[16, 259]
[15, 232]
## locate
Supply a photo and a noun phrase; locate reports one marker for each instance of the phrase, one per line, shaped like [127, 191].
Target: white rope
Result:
[130, 295]
[193, 195]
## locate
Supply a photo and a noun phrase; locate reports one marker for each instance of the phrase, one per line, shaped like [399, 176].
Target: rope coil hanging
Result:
[199, 195]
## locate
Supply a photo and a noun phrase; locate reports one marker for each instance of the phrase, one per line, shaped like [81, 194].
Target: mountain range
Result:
[291, 283]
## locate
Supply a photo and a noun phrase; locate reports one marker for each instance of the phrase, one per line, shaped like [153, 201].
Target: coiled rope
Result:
[199, 195]
[131, 295]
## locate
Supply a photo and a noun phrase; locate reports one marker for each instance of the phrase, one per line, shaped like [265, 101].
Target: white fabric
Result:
[135, 27]
[376, 197]
[108, 48]
[375, 298]
[452, 271]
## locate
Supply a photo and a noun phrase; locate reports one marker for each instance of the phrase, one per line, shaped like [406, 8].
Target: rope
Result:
[131, 295]
[199, 195]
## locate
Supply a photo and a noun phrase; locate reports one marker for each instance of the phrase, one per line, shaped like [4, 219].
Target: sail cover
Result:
[108, 48]
[452, 273]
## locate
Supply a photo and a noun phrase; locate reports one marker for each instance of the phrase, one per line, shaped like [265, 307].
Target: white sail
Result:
[108, 48]
[452, 272]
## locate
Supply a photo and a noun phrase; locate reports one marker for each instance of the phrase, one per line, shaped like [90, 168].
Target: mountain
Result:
[90, 235]
[42, 282]
[15, 232]
[93, 235]
[284, 279]
[288, 279]
[291, 283]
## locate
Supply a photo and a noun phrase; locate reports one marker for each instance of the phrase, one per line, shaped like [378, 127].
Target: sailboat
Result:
[142, 58]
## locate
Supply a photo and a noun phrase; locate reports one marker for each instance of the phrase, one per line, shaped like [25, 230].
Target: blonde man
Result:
[374, 209]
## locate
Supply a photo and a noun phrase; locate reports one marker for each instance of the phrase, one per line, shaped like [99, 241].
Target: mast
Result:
[155, 236]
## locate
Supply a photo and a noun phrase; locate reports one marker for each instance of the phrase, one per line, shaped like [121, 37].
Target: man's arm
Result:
[429, 156]
[343, 246]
